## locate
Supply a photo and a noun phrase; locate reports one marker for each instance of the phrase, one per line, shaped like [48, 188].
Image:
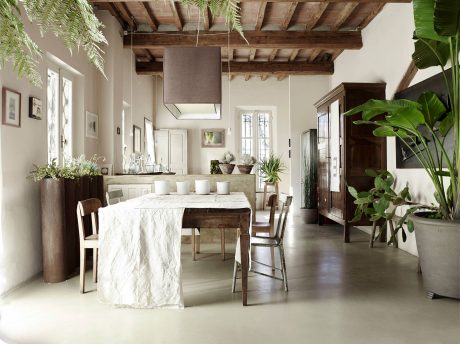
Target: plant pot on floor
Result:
[309, 216]
[227, 168]
[245, 169]
[438, 245]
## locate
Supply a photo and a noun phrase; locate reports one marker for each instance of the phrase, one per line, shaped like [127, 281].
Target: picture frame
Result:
[92, 125]
[212, 138]
[137, 132]
[11, 107]
[35, 108]
[107, 169]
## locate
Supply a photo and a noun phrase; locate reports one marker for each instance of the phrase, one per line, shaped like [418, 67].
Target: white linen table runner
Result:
[139, 247]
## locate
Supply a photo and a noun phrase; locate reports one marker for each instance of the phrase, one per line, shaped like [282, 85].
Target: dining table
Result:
[139, 262]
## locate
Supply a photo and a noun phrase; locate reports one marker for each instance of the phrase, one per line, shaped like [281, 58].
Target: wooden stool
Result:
[275, 185]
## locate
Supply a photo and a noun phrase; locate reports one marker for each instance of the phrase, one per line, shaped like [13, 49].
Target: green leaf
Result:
[410, 226]
[363, 194]
[379, 183]
[381, 206]
[353, 191]
[409, 119]
[384, 132]
[375, 107]
[429, 53]
[447, 17]
[370, 172]
[424, 20]
[442, 173]
[446, 124]
[432, 108]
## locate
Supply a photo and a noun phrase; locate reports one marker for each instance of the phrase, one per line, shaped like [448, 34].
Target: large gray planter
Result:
[438, 245]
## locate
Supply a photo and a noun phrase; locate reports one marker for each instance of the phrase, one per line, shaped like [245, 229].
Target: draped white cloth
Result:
[139, 247]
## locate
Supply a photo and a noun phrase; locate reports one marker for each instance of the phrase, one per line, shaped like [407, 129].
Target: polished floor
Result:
[339, 293]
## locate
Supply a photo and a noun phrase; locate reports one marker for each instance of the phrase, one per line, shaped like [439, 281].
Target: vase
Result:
[245, 169]
[227, 168]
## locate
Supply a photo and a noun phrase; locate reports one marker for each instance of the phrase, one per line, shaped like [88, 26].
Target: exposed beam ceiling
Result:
[262, 39]
[273, 68]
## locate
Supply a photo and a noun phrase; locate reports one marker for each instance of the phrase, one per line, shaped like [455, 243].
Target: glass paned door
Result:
[52, 92]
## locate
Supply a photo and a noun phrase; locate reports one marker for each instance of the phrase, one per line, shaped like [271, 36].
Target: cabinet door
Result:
[178, 151]
[131, 190]
[161, 147]
[323, 161]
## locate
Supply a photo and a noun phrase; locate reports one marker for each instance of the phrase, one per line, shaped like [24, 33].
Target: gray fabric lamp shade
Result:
[192, 82]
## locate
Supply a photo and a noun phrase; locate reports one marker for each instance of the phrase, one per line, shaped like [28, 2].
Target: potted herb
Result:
[271, 168]
[247, 163]
[226, 163]
[437, 231]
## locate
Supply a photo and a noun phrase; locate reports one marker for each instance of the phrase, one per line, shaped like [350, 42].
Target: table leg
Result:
[244, 243]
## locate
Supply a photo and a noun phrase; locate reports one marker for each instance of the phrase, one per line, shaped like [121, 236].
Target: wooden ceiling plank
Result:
[281, 77]
[344, 15]
[253, 68]
[149, 15]
[316, 16]
[257, 39]
[314, 54]
[294, 54]
[288, 17]
[252, 54]
[247, 77]
[273, 55]
[261, 15]
[125, 13]
[114, 11]
[336, 53]
[150, 56]
[371, 15]
[264, 77]
[175, 13]
[230, 54]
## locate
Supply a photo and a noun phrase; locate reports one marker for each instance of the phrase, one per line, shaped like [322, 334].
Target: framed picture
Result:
[136, 139]
[212, 137]
[92, 125]
[35, 108]
[107, 169]
[11, 107]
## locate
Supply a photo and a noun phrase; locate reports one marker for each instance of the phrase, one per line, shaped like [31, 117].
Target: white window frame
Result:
[255, 137]
[62, 73]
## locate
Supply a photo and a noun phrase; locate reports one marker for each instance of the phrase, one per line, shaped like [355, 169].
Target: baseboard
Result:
[20, 285]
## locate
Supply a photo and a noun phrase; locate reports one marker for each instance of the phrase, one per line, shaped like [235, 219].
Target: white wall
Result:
[385, 56]
[254, 93]
[20, 233]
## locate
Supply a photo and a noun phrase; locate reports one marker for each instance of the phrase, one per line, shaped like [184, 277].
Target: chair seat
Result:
[264, 241]
[92, 237]
[261, 225]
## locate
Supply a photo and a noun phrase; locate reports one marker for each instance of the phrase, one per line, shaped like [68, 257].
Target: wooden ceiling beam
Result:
[281, 77]
[283, 1]
[149, 15]
[125, 14]
[116, 13]
[230, 54]
[247, 77]
[344, 15]
[252, 54]
[150, 56]
[175, 13]
[253, 68]
[264, 77]
[314, 17]
[273, 55]
[261, 15]
[314, 54]
[371, 16]
[256, 39]
[294, 54]
[288, 16]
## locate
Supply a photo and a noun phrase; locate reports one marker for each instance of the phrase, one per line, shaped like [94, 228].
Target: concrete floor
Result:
[339, 293]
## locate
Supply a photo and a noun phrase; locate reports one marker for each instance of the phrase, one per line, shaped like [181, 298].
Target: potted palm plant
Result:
[271, 168]
[437, 232]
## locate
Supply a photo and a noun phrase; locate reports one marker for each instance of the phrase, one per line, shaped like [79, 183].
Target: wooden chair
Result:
[196, 242]
[88, 207]
[271, 241]
[267, 227]
[114, 197]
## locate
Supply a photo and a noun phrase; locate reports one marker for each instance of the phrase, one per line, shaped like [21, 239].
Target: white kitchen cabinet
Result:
[171, 149]
[131, 190]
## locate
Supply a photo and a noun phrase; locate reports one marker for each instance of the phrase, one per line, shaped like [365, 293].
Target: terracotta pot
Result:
[227, 168]
[245, 169]
[438, 245]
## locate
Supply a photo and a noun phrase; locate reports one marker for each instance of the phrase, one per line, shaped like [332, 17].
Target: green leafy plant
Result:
[73, 169]
[381, 202]
[271, 168]
[437, 24]
[310, 183]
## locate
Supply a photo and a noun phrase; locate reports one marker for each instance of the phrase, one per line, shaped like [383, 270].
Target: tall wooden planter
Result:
[59, 198]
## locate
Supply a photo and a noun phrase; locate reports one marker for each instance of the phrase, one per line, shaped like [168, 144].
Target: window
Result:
[59, 115]
[256, 137]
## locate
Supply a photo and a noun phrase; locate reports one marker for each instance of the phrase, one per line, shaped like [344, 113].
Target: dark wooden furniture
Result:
[225, 218]
[358, 149]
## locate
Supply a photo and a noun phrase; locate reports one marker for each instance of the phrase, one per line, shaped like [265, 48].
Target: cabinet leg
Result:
[346, 232]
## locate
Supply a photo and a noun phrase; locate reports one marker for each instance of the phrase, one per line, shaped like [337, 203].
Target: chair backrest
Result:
[284, 211]
[114, 197]
[272, 202]
[86, 207]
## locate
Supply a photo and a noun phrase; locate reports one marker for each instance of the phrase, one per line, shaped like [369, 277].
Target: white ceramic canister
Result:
[202, 187]
[183, 188]
[161, 187]
[223, 188]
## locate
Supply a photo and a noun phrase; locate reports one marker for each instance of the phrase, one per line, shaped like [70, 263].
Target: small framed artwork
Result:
[11, 107]
[35, 108]
[136, 139]
[212, 137]
[92, 125]
[107, 169]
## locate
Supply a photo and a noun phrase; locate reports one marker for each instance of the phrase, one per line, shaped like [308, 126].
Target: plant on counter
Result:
[429, 120]
[271, 168]
[226, 162]
[74, 168]
[247, 163]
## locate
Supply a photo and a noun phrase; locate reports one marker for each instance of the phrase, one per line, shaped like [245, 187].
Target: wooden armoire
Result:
[345, 150]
